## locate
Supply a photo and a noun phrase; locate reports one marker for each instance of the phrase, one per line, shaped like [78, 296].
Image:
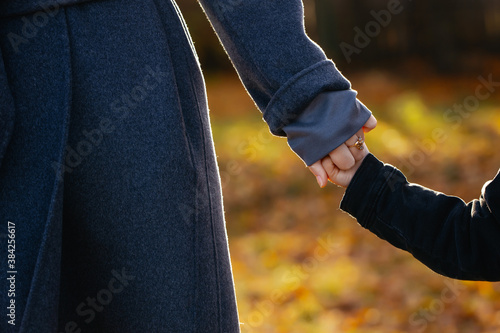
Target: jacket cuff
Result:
[362, 195]
[294, 96]
[326, 123]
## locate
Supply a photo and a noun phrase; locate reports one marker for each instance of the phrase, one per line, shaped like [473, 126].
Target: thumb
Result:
[370, 124]
[320, 173]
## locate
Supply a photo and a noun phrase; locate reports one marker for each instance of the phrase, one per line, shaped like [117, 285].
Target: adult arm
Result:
[456, 239]
[300, 92]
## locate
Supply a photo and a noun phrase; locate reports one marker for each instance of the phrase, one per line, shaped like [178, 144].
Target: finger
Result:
[330, 168]
[336, 176]
[357, 146]
[343, 177]
[342, 157]
[320, 173]
[370, 124]
[358, 154]
[359, 151]
[353, 139]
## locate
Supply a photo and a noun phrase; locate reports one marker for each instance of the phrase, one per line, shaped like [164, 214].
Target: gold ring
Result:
[359, 143]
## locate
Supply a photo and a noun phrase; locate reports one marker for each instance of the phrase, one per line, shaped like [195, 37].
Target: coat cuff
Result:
[363, 193]
[294, 96]
[326, 123]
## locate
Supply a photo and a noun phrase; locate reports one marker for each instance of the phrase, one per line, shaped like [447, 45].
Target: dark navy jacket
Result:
[456, 239]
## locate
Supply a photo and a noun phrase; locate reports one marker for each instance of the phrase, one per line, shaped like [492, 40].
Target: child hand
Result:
[338, 165]
[343, 177]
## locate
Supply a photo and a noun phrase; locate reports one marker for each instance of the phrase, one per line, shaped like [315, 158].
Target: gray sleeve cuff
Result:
[326, 123]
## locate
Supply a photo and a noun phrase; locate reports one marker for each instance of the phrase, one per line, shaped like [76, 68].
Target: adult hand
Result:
[343, 158]
[343, 177]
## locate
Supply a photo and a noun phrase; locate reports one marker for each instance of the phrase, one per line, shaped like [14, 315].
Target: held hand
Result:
[343, 177]
[343, 159]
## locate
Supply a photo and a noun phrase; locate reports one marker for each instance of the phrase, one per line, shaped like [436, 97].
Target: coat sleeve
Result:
[286, 74]
[456, 239]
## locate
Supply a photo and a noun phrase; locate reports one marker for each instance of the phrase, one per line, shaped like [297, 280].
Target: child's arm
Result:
[451, 237]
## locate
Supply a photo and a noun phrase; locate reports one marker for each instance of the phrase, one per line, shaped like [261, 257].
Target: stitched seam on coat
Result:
[192, 161]
[58, 176]
[171, 64]
[193, 91]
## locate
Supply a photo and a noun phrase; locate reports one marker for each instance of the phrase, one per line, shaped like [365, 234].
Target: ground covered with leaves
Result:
[302, 265]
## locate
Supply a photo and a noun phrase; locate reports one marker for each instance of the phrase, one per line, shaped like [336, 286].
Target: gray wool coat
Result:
[110, 203]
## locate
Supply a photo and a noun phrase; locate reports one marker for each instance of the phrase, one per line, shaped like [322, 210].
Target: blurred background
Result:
[302, 265]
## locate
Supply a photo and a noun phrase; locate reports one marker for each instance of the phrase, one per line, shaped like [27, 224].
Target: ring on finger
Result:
[359, 143]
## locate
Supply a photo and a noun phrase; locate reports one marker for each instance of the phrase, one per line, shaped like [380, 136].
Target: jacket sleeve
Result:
[456, 239]
[286, 73]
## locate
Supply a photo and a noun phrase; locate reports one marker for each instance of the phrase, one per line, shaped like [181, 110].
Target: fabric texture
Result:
[281, 68]
[109, 172]
[284, 71]
[453, 238]
[310, 134]
[6, 111]
[110, 177]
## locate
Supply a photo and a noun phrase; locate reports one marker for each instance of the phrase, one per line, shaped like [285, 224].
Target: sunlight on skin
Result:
[275, 213]
[341, 175]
